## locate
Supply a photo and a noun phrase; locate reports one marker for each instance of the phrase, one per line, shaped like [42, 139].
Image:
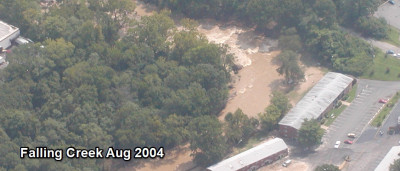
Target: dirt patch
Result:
[294, 166]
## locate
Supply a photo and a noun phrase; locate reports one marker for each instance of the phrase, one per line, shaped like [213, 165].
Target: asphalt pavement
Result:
[390, 12]
[369, 147]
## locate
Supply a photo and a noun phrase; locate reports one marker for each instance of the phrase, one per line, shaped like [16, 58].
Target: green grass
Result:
[352, 93]
[385, 111]
[378, 71]
[393, 37]
[336, 112]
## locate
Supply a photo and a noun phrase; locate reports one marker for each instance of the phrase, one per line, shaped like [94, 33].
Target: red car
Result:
[383, 101]
[348, 142]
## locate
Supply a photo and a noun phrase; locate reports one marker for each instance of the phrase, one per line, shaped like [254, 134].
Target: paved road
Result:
[390, 12]
[368, 147]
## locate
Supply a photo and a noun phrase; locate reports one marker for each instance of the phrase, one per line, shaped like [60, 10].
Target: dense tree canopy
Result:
[83, 85]
[314, 26]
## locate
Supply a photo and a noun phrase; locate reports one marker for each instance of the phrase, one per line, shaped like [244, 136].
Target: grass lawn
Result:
[385, 111]
[393, 36]
[336, 112]
[352, 93]
[380, 67]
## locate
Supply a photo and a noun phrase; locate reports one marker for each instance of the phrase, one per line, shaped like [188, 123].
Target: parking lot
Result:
[390, 12]
[368, 147]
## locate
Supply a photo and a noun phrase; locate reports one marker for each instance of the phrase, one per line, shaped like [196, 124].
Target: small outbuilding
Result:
[254, 158]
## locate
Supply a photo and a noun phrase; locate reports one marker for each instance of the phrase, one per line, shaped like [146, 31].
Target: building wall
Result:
[290, 132]
[6, 43]
[287, 131]
[266, 161]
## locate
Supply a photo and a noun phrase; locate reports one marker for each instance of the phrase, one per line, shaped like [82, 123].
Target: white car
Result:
[337, 144]
[287, 163]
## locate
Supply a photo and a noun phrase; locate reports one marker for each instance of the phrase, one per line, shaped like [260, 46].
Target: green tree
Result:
[239, 127]
[290, 67]
[120, 9]
[310, 133]
[206, 140]
[281, 101]
[327, 167]
[289, 40]
[269, 119]
[395, 166]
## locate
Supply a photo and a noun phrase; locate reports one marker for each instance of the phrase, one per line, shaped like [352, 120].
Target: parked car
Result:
[384, 101]
[337, 144]
[348, 142]
[286, 163]
[390, 52]
[351, 135]
[392, 2]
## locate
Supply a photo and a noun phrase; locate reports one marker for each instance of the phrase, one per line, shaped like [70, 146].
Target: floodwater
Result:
[252, 86]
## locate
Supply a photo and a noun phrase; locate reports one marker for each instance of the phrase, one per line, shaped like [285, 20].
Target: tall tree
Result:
[206, 140]
[290, 67]
[310, 133]
[281, 101]
[239, 127]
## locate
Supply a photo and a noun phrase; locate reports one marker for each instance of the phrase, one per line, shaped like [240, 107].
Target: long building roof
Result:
[390, 157]
[317, 99]
[6, 30]
[250, 156]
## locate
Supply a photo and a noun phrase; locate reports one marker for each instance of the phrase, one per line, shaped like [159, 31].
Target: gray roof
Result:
[6, 30]
[250, 156]
[390, 157]
[317, 99]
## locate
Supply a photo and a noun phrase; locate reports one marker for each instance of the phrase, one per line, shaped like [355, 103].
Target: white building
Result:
[316, 103]
[8, 33]
[390, 157]
[254, 158]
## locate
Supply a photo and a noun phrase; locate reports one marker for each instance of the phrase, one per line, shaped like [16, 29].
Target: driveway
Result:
[368, 148]
[390, 12]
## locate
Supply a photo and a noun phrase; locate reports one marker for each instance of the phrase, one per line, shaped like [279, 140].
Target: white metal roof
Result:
[250, 156]
[317, 99]
[390, 157]
[6, 30]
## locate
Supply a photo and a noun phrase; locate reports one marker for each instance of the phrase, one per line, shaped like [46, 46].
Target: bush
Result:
[338, 104]
[373, 27]
[345, 97]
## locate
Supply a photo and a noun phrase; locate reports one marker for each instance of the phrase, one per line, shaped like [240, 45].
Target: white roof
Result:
[390, 157]
[250, 156]
[317, 99]
[6, 30]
